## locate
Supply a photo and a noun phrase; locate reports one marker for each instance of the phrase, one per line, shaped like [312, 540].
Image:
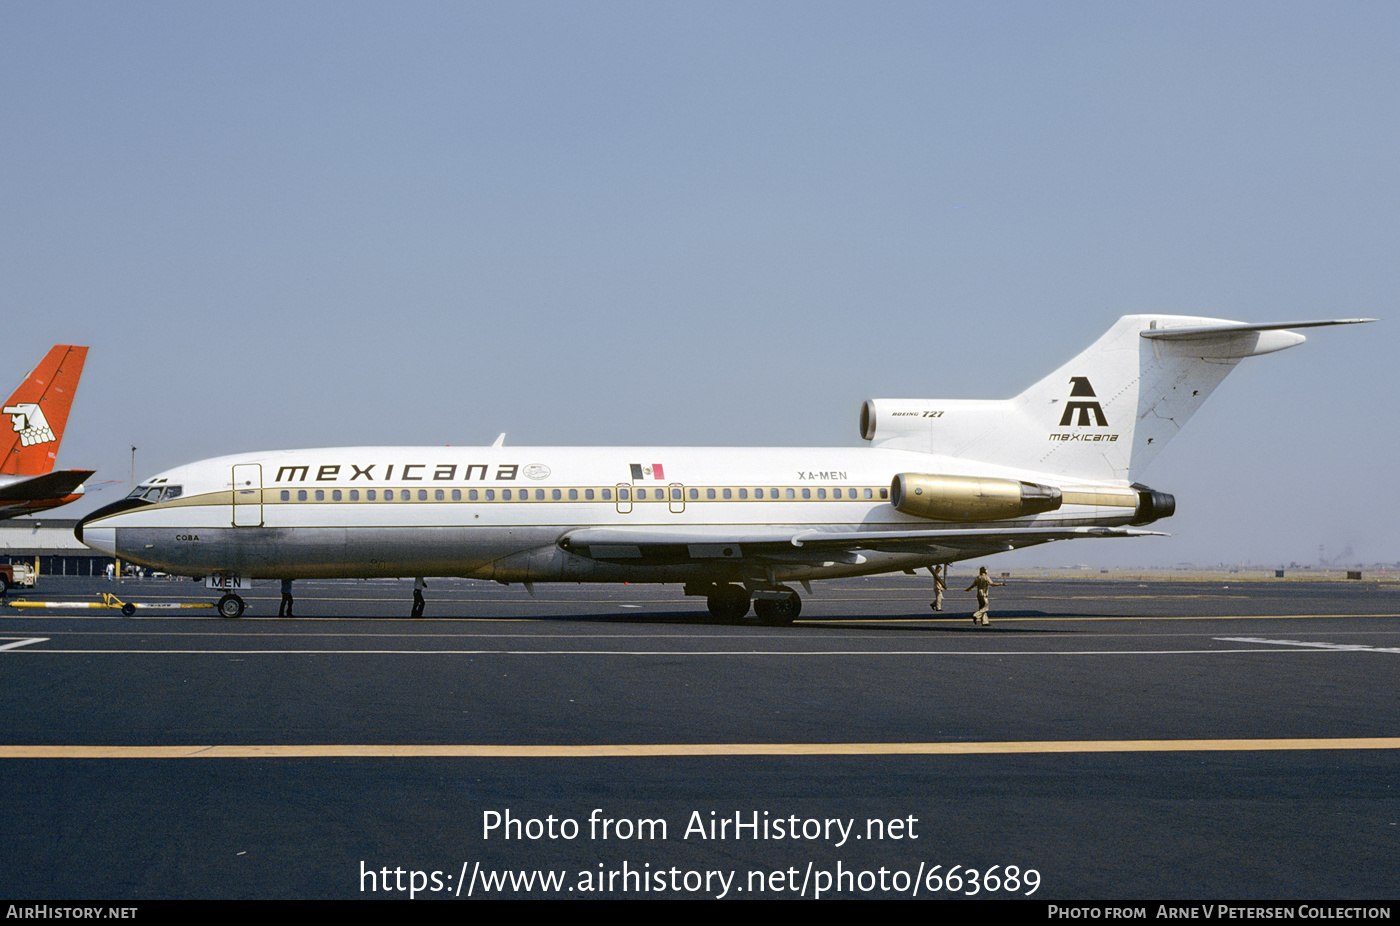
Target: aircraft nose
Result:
[85, 534]
[102, 539]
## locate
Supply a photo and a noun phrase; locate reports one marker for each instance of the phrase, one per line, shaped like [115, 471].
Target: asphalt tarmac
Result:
[1102, 739]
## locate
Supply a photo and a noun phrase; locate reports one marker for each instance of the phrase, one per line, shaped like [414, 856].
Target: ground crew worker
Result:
[939, 586]
[418, 602]
[982, 583]
[285, 609]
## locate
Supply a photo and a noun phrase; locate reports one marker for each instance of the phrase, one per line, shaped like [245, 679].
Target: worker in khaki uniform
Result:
[982, 583]
[939, 587]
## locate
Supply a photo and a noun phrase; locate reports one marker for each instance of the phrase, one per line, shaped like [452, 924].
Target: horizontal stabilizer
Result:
[54, 485]
[1182, 334]
[1234, 341]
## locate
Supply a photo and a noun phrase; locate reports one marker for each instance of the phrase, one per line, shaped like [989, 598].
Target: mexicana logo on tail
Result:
[1082, 389]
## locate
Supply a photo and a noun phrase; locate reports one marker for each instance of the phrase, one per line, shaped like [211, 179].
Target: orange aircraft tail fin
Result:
[38, 411]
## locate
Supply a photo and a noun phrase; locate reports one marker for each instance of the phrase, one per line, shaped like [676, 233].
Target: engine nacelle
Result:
[890, 419]
[1152, 505]
[970, 498]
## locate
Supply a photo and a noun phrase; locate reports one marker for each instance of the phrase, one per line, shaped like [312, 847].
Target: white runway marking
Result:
[23, 642]
[1302, 648]
[1346, 647]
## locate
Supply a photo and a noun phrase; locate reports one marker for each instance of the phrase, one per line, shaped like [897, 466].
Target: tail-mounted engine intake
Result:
[969, 498]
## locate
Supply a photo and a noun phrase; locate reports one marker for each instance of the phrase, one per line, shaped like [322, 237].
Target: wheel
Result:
[128, 609]
[779, 611]
[230, 606]
[728, 602]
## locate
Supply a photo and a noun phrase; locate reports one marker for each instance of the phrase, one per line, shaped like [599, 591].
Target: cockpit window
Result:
[156, 493]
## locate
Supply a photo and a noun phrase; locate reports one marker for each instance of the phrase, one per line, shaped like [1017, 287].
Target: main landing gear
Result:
[728, 602]
[778, 605]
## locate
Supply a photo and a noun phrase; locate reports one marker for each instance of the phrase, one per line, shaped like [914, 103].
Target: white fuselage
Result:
[509, 513]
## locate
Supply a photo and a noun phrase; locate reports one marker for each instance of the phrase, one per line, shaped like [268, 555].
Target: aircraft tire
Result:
[728, 602]
[230, 606]
[784, 611]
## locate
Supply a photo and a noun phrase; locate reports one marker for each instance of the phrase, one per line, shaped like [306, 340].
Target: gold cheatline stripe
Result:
[695, 749]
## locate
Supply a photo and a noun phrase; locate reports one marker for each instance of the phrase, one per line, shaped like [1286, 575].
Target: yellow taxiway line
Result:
[389, 751]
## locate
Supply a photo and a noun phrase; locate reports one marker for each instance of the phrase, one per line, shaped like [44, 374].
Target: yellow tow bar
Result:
[110, 602]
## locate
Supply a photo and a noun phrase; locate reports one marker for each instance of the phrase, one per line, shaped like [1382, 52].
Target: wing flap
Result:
[809, 545]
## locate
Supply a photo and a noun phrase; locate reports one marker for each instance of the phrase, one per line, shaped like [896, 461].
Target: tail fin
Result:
[38, 412]
[1103, 416]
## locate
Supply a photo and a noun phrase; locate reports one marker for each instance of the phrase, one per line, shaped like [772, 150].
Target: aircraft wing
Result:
[49, 486]
[789, 544]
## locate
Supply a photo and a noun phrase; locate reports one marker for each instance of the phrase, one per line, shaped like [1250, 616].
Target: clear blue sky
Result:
[708, 223]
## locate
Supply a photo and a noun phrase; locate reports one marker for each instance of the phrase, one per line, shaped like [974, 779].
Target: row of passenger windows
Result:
[623, 494]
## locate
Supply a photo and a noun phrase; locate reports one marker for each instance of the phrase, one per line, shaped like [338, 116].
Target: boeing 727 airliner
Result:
[940, 481]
